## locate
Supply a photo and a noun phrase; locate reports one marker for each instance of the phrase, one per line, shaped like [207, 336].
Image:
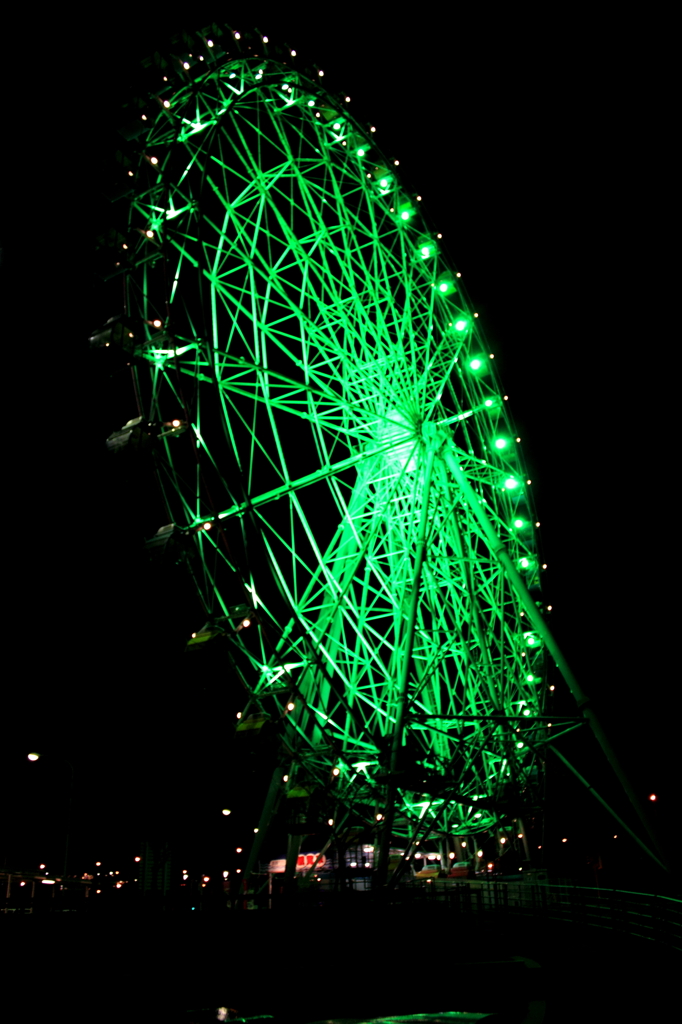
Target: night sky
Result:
[540, 154]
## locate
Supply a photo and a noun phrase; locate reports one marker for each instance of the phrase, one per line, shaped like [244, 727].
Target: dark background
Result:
[541, 150]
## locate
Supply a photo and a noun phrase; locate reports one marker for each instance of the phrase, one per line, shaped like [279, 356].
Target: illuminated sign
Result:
[304, 861]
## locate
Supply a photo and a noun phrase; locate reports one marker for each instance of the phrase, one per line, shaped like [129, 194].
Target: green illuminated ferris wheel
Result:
[338, 447]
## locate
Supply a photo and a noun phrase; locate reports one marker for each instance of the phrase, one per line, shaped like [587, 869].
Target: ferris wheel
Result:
[337, 446]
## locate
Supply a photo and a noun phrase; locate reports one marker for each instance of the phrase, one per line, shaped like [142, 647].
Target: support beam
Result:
[423, 827]
[611, 811]
[499, 551]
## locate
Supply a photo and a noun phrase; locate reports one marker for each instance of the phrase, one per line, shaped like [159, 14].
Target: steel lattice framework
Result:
[349, 473]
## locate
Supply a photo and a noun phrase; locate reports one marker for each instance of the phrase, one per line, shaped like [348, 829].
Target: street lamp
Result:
[33, 756]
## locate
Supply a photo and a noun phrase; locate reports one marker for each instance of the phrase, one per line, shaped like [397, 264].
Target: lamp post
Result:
[35, 757]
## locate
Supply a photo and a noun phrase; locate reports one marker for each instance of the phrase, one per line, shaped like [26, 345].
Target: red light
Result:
[652, 796]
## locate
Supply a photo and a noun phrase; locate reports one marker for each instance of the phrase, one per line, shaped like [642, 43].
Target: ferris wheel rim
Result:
[250, 503]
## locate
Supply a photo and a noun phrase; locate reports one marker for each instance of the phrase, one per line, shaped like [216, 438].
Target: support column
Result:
[293, 850]
[406, 651]
[444, 847]
[522, 830]
[264, 822]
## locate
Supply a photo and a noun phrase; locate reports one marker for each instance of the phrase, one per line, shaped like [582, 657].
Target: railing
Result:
[643, 915]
